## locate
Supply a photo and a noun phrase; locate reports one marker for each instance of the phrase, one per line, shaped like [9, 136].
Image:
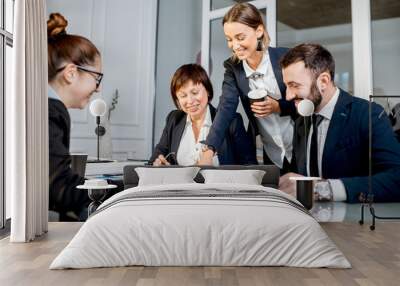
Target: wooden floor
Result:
[374, 255]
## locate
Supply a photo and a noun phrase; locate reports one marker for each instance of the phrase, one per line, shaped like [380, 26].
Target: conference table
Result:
[344, 212]
[322, 211]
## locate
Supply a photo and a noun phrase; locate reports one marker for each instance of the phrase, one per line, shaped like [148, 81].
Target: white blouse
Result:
[189, 149]
[276, 131]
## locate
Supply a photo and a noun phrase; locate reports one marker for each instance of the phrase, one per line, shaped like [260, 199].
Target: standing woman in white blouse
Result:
[186, 128]
[253, 66]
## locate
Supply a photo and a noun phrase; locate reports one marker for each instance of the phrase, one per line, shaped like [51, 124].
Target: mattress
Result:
[201, 225]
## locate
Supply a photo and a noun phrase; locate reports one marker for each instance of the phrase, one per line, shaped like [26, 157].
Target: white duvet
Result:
[207, 230]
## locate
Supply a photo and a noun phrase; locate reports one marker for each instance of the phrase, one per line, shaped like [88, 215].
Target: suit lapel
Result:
[336, 126]
[243, 81]
[177, 133]
[213, 111]
[274, 57]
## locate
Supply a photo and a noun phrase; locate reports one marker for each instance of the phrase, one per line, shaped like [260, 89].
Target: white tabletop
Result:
[111, 168]
[89, 187]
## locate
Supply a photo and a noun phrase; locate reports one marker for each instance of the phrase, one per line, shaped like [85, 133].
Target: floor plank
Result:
[374, 255]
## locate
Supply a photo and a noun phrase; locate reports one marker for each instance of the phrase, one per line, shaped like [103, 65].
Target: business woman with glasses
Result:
[74, 75]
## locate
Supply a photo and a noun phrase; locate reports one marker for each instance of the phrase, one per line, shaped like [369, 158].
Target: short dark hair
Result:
[190, 72]
[315, 57]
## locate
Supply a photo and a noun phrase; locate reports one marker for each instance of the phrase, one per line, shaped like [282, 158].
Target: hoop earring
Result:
[259, 44]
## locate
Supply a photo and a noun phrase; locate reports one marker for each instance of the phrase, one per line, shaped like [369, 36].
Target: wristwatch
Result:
[323, 191]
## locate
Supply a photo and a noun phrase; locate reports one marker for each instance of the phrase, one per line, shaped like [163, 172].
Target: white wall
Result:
[178, 42]
[219, 52]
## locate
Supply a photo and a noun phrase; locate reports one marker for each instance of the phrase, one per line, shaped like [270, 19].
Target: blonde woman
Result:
[254, 67]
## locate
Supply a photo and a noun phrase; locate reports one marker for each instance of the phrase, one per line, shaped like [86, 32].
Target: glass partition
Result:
[390, 114]
[218, 4]
[385, 38]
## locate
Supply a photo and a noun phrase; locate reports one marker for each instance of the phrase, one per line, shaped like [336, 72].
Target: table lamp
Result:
[305, 107]
[98, 108]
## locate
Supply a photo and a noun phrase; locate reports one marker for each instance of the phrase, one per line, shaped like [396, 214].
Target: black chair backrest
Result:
[270, 179]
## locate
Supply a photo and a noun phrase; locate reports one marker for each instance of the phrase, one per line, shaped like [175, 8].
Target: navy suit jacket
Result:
[236, 147]
[235, 86]
[346, 151]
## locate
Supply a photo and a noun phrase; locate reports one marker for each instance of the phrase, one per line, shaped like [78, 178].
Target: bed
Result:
[200, 224]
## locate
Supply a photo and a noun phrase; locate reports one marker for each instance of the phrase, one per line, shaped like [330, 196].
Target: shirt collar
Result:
[52, 93]
[262, 67]
[328, 109]
[207, 120]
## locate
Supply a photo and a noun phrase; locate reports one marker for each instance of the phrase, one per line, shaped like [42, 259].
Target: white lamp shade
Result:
[305, 107]
[98, 107]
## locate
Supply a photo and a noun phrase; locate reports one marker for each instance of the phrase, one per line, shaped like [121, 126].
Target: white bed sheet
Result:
[200, 232]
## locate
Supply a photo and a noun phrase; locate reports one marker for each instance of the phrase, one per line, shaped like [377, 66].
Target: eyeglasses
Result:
[98, 76]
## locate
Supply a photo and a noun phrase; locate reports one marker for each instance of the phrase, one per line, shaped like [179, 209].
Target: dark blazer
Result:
[236, 146]
[63, 195]
[235, 86]
[346, 150]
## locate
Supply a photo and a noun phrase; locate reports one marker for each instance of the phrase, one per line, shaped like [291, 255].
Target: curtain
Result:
[27, 124]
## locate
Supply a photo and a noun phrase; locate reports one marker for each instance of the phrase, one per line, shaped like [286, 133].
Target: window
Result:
[6, 44]
[329, 25]
[385, 31]
[218, 4]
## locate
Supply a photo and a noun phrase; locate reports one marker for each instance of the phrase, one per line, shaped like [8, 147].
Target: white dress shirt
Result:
[189, 149]
[338, 189]
[51, 93]
[276, 131]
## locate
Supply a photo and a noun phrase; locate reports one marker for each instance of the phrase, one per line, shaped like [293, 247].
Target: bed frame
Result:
[270, 179]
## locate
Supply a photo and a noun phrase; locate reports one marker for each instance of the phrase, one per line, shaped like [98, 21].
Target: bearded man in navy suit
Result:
[333, 143]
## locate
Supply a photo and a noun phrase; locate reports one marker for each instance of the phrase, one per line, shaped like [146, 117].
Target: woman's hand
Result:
[266, 107]
[161, 161]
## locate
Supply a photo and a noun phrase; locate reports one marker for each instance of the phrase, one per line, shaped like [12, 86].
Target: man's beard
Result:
[315, 96]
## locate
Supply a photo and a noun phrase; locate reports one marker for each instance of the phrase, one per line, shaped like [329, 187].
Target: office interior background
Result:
[143, 42]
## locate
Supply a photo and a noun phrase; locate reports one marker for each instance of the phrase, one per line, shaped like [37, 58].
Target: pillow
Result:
[166, 176]
[248, 177]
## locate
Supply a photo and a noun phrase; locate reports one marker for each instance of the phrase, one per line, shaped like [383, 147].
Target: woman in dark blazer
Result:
[74, 66]
[186, 128]
[254, 67]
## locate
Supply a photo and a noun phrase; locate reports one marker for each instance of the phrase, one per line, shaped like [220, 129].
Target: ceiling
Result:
[304, 14]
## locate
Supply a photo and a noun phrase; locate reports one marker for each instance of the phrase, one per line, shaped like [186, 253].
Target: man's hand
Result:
[266, 107]
[206, 158]
[288, 186]
[161, 161]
